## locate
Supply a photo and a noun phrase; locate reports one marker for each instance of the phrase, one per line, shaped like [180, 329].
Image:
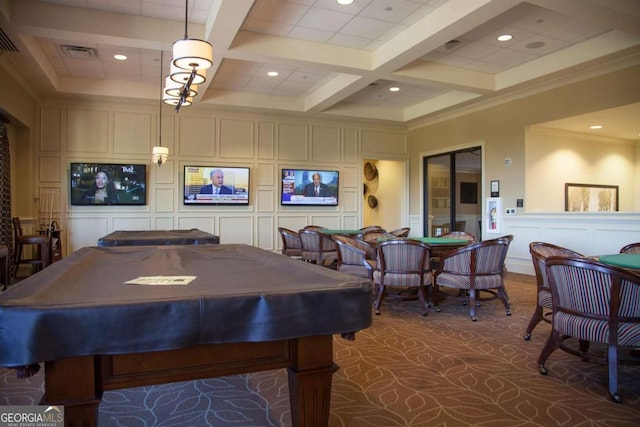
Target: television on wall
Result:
[309, 187]
[216, 185]
[99, 184]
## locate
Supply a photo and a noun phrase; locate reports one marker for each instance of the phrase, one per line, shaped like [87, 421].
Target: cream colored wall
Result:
[113, 132]
[501, 130]
[390, 188]
[555, 158]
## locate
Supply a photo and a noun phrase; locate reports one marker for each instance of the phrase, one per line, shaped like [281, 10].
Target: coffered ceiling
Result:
[332, 60]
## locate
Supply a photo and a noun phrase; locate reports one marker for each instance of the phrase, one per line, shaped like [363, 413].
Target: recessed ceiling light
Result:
[273, 74]
[596, 127]
[505, 37]
[120, 57]
[394, 89]
[345, 2]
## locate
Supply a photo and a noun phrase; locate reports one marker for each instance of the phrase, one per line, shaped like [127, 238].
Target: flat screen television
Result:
[309, 187]
[99, 184]
[216, 185]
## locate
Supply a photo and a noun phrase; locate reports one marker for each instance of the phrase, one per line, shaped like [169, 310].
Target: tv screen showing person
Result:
[217, 184]
[309, 187]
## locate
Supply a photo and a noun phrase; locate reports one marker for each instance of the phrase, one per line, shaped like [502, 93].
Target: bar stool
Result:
[4, 266]
[40, 244]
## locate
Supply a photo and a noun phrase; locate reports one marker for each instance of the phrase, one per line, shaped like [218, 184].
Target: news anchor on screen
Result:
[216, 186]
[317, 188]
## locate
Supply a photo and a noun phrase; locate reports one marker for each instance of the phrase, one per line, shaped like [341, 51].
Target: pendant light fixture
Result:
[191, 59]
[160, 154]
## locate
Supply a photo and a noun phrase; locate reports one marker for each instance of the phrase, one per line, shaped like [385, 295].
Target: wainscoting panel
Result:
[293, 142]
[132, 133]
[325, 144]
[236, 138]
[85, 231]
[236, 229]
[122, 223]
[266, 233]
[87, 131]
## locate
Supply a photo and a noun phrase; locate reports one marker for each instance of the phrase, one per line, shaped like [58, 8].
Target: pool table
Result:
[245, 310]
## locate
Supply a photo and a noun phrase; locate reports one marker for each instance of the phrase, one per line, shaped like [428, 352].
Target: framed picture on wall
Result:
[469, 192]
[590, 198]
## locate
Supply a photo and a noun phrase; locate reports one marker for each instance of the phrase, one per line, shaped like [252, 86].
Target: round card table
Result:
[629, 261]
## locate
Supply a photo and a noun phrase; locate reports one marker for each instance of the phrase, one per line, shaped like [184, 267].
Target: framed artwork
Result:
[590, 198]
[469, 192]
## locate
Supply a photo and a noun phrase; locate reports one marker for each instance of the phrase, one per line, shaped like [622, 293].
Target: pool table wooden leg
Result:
[310, 381]
[72, 382]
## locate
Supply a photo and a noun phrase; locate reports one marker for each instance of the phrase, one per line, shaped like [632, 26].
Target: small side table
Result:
[4, 266]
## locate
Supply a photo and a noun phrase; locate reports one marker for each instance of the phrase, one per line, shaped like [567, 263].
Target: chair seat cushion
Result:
[595, 330]
[457, 281]
[402, 280]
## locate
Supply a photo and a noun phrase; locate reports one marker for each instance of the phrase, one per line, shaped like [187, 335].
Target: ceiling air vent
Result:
[6, 45]
[79, 52]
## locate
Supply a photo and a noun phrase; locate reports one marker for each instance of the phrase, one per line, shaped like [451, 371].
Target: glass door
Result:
[452, 183]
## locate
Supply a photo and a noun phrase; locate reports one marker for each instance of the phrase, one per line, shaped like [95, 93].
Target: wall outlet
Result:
[510, 211]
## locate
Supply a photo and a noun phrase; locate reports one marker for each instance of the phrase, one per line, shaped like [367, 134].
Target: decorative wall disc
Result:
[370, 171]
[372, 201]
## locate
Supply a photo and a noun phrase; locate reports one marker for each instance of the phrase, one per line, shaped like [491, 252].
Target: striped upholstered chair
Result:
[318, 247]
[291, 243]
[540, 251]
[355, 257]
[475, 267]
[404, 264]
[631, 248]
[592, 303]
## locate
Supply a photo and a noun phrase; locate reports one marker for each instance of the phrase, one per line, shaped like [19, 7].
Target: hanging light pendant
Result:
[191, 57]
[160, 154]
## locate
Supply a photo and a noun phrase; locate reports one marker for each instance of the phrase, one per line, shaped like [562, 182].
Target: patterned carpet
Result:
[406, 370]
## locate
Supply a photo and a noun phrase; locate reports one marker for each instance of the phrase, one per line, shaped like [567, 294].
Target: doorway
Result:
[452, 196]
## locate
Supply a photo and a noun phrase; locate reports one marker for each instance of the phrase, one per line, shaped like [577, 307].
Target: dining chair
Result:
[592, 303]
[291, 243]
[39, 244]
[540, 251]
[401, 232]
[460, 235]
[631, 248]
[318, 248]
[405, 264]
[371, 228]
[373, 237]
[314, 228]
[355, 257]
[475, 267]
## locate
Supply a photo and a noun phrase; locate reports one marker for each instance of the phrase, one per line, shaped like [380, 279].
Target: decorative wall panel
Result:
[265, 200]
[51, 129]
[292, 222]
[378, 142]
[52, 170]
[197, 136]
[167, 173]
[292, 142]
[163, 223]
[123, 222]
[132, 133]
[236, 139]
[204, 223]
[349, 200]
[350, 146]
[87, 131]
[164, 200]
[85, 231]
[236, 230]
[266, 140]
[264, 173]
[325, 144]
[266, 233]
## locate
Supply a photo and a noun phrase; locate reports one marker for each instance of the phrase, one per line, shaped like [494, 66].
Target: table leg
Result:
[310, 381]
[72, 382]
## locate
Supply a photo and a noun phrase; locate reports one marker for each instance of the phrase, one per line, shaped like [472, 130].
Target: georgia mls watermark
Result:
[32, 416]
